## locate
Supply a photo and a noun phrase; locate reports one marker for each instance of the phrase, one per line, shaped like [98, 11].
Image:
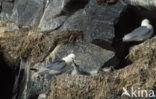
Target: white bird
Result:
[55, 67]
[141, 33]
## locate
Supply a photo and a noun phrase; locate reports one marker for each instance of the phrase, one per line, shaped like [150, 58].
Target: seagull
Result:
[55, 67]
[141, 33]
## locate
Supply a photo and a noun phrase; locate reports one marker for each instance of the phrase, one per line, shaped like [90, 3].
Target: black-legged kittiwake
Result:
[55, 67]
[141, 33]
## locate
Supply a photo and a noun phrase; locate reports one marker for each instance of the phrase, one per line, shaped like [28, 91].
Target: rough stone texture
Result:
[88, 56]
[96, 21]
[56, 37]
[6, 10]
[48, 21]
[106, 2]
[141, 74]
[99, 21]
[7, 7]
[6, 0]
[28, 12]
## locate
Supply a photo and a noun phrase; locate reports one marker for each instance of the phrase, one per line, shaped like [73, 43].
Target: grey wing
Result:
[57, 65]
[140, 31]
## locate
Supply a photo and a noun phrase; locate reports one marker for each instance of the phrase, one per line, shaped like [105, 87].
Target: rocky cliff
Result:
[38, 30]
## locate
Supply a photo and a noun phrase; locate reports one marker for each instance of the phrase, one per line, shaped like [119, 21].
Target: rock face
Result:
[90, 19]
[40, 29]
[88, 56]
[53, 16]
[27, 12]
[140, 74]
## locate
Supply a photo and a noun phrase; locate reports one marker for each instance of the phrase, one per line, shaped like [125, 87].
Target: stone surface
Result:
[6, 10]
[99, 21]
[48, 21]
[96, 21]
[88, 56]
[28, 12]
[6, 0]
[60, 34]
[141, 74]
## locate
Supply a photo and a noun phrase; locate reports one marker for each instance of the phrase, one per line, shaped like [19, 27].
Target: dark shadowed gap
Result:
[103, 44]
[128, 21]
[7, 79]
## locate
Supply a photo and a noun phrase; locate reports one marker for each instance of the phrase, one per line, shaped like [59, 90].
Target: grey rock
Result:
[6, 10]
[4, 16]
[39, 85]
[7, 0]
[57, 12]
[97, 22]
[28, 12]
[48, 22]
[89, 57]
[7, 7]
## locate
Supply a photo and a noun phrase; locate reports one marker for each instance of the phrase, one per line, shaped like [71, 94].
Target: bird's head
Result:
[146, 22]
[69, 59]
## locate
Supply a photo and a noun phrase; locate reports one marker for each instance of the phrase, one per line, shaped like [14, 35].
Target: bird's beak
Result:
[73, 62]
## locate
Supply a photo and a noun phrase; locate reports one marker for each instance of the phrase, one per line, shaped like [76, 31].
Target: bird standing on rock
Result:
[141, 33]
[55, 67]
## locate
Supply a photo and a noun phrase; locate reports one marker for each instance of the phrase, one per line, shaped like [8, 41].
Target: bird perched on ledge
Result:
[55, 67]
[141, 33]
